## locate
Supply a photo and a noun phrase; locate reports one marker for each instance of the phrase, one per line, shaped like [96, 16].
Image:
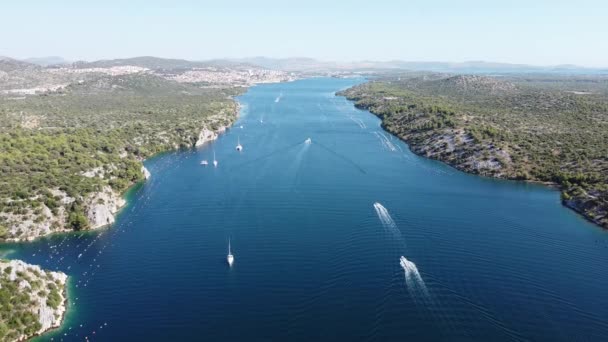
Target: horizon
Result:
[68, 61]
[546, 33]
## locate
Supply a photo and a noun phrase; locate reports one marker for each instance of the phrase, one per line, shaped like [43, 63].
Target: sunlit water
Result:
[318, 232]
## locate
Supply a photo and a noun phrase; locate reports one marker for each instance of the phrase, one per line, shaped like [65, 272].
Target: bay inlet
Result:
[349, 237]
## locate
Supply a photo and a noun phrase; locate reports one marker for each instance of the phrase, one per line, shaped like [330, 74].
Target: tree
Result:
[77, 220]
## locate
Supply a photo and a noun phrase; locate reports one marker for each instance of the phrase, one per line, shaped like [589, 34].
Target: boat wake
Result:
[384, 216]
[413, 280]
[388, 222]
[359, 122]
[386, 143]
[278, 98]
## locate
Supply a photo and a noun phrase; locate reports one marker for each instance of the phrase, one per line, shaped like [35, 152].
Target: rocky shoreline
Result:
[100, 207]
[452, 146]
[39, 296]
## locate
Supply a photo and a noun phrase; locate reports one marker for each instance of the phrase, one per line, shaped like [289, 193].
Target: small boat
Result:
[230, 257]
[308, 141]
[204, 162]
[239, 147]
[214, 160]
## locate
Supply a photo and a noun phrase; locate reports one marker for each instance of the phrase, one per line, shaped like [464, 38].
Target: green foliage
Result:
[16, 315]
[54, 299]
[77, 220]
[552, 129]
[106, 123]
[3, 232]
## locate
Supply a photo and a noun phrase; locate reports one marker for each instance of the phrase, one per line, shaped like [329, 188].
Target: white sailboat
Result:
[230, 257]
[239, 147]
[214, 160]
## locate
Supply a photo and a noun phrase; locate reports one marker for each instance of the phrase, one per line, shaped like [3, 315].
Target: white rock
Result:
[204, 136]
[47, 316]
[101, 207]
[146, 173]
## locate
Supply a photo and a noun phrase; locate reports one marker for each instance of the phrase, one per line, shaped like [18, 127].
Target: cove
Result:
[318, 232]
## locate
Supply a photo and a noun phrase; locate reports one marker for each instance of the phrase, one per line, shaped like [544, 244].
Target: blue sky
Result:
[539, 32]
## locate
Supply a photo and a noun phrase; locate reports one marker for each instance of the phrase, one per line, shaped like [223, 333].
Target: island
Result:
[541, 128]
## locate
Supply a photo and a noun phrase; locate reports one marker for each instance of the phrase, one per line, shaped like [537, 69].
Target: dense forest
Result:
[67, 143]
[550, 129]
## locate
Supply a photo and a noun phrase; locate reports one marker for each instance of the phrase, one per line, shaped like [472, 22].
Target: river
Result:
[318, 231]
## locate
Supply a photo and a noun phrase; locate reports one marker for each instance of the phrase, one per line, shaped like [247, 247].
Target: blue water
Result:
[314, 259]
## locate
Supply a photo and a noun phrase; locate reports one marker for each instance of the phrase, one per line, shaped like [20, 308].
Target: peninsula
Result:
[541, 128]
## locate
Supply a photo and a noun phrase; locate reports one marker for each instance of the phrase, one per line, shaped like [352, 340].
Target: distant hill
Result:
[461, 85]
[469, 67]
[46, 61]
[481, 67]
[8, 64]
[154, 63]
[289, 64]
[310, 65]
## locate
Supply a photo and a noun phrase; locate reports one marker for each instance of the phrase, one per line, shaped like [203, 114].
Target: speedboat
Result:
[239, 147]
[230, 257]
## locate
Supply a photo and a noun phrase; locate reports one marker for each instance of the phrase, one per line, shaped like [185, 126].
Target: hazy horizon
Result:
[306, 57]
[546, 33]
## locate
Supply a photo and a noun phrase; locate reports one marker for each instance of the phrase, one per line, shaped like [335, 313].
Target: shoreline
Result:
[66, 306]
[25, 276]
[571, 205]
[124, 196]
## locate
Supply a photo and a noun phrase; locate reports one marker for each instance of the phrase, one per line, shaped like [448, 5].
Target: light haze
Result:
[540, 32]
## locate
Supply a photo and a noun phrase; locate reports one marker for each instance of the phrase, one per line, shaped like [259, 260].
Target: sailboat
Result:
[214, 160]
[239, 147]
[230, 257]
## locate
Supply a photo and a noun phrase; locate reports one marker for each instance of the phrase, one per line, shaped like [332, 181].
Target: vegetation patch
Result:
[542, 128]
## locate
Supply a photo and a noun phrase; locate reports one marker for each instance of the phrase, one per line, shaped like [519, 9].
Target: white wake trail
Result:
[388, 223]
[384, 216]
[358, 122]
[413, 280]
[389, 144]
[278, 98]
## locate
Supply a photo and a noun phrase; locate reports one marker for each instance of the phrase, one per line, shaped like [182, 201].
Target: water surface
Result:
[486, 260]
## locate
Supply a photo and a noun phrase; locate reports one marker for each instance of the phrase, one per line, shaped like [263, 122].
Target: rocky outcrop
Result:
[590, 204]
[145, 172]
[457, 148]
[101, 207]
[204, 136]
[35, 222]
[32, 291]
[207, 135]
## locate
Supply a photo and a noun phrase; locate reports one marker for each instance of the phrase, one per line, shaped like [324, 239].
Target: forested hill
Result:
[537, 128]
[71, 142]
